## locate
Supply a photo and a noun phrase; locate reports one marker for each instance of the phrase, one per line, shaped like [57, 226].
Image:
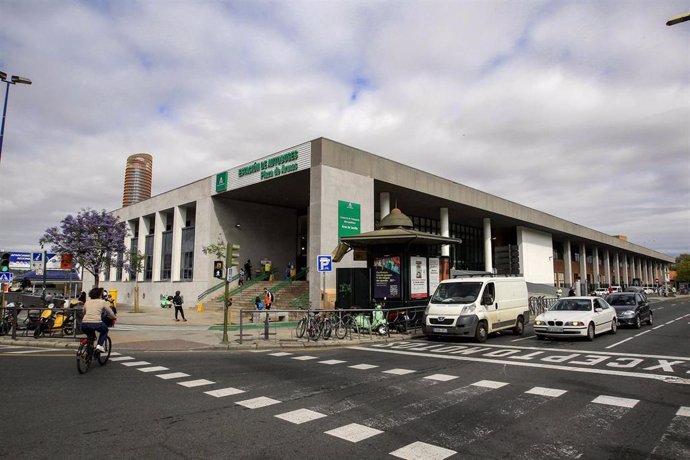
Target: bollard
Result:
[200, 307]
[266, 327]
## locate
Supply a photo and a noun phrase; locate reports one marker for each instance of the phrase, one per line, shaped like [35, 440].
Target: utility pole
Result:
[226, 297]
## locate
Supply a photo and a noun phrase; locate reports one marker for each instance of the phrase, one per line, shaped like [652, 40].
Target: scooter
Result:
[166, 301]
[53, 321]
[374, 321]
[398, 320]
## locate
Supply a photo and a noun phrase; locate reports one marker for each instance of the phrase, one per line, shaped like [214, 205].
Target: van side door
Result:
[488, 301]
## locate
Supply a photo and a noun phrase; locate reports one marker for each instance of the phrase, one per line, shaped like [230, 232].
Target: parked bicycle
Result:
[87, 352]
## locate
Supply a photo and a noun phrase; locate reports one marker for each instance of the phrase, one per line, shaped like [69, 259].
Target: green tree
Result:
[136, 266]
[682, 267]
[95, 239]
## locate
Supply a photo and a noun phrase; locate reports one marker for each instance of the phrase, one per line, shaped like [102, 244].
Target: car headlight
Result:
[573, 323]
[539, 322]
[627, 314]
[468, 309]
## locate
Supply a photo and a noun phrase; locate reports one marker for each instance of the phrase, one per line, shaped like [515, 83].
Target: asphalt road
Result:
[622, 396]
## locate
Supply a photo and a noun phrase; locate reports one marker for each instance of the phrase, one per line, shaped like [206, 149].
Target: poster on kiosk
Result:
[418, 278]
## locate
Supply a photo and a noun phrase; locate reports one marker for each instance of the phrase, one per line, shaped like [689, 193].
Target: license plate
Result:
[554, 329]
[439, 329]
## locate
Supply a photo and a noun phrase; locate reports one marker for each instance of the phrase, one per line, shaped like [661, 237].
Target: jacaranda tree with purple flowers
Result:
[93, 238]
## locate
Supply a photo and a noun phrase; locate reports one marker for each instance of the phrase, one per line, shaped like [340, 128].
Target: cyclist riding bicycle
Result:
[96, 312]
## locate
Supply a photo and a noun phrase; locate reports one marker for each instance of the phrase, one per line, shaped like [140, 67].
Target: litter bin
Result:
[113, 295]
[200, 307]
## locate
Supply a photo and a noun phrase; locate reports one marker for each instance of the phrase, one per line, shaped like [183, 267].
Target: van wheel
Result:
[519, 328]
[481, 333]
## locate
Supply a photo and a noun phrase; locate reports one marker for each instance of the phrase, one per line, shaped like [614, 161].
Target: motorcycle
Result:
[53, 320]
[398, 320]
[166, 301]
[374, 321]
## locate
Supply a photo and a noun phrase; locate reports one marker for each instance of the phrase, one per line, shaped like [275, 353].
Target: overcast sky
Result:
[580, 109]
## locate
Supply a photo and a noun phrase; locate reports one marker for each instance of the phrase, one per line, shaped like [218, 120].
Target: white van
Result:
[477, 306]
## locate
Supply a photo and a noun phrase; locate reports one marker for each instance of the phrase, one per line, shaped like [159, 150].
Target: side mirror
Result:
[598, 310]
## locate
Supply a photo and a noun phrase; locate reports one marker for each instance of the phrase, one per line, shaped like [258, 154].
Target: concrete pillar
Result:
[141, 246]
[488, 259]
[158, 245]
[626, 273]
[595, 268]
[384, 204]
[179, 217]
[583, 270]
[607, 267]
[567, 264]
[617, 268]
[445, 231]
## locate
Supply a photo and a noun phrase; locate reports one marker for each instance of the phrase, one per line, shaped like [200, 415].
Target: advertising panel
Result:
[418, 278]
[434, 274]
[387, 277]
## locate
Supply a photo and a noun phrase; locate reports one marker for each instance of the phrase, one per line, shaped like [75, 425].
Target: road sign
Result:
[6, 277]
[324, 263]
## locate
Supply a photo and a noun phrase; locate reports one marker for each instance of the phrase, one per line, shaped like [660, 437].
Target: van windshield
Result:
[456, 292]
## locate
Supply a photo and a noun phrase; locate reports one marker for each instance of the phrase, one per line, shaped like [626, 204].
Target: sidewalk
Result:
[155, 329]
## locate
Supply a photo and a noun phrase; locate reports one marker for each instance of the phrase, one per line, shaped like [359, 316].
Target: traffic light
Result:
[5, 265]
[218, 269]
[235, 256]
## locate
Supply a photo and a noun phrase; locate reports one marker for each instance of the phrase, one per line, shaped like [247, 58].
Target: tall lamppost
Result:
[14, 79]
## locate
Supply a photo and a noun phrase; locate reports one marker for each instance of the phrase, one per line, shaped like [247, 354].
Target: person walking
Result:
[177, 303]
[248, 269]
[268, 299]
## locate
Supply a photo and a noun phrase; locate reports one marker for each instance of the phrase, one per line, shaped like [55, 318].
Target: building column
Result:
[488, 259]
[626, 277]
[607, 267]
[617, 268]
[595, 268]
[445, 231]
[141, 246]
[567, 264]
[159, 226]
[179, 216]
[384, 204]
[583, 270]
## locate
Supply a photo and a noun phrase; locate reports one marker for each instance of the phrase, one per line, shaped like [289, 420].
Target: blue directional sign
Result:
[324, 263]
[6, 277]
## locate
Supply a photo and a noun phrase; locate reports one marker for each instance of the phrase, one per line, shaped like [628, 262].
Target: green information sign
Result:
[221, 182]
[349, 215]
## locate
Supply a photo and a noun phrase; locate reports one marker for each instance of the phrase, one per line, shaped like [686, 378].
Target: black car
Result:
[632, 309]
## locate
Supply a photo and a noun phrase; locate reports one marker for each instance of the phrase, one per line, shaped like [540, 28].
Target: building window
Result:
[148, 258]
[166, 255]
[187, 256]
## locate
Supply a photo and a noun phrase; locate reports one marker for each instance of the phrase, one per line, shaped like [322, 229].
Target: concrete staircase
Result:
[290, 296]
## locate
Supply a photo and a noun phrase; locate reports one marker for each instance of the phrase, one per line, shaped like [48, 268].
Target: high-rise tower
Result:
[138, 178]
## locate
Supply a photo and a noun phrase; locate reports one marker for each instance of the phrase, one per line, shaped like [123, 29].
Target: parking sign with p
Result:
[324, 263]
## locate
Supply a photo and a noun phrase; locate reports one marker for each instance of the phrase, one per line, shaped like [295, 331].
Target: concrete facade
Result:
[285, 207]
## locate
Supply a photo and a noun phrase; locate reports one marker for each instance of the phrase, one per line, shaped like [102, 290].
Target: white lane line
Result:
[524, 338]
[441, 377]
[195, 383]
[489, 384]
[684, 411]
[421, 450]
[121, 358]
[224, 392]
[304, 358]
[618, 343]
[363, 367]
[257, 403]
[669, 322]
[398, 371]
[114, 353]
[354, 432]
[172, 375]
[643, 333]
[300, 416]
[136, 363]
[655, 328]
[331, 362]
[153, 369]
[259, 351]
[615, 401]
[33, 351]
[280, 353]
[550, 392]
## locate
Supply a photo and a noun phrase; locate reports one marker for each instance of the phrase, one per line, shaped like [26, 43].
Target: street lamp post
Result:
[14, 79]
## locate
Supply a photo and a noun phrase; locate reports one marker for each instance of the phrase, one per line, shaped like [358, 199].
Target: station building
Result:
[294, 205]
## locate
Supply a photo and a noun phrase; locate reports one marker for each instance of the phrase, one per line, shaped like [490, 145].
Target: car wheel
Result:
[590, 332]
[519, 328]
[638, 322]
[481, 333]
[614, 326]
[650, 321]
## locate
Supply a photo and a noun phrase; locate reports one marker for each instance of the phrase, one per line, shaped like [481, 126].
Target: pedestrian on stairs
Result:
[268, 299]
